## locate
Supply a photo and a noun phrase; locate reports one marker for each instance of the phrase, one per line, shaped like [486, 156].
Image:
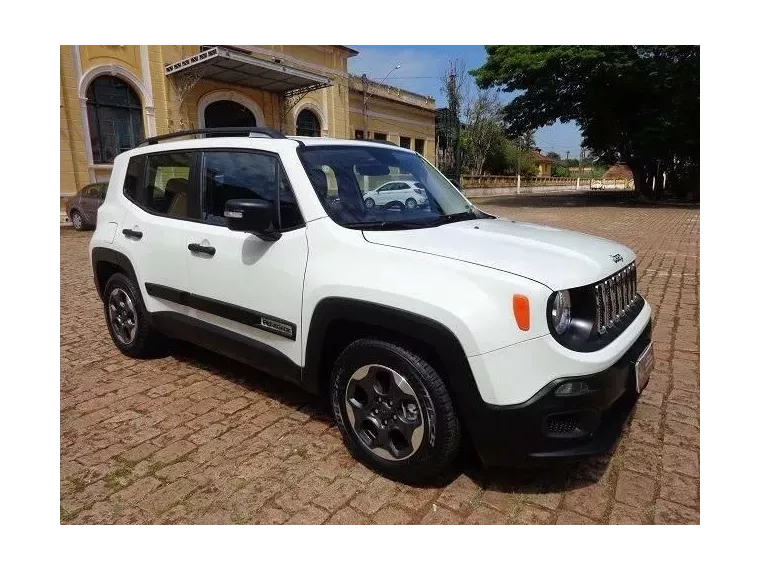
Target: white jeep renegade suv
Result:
[423, 325]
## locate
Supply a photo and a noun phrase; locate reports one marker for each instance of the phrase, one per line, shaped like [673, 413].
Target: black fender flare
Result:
[101, 254]
[448, 350]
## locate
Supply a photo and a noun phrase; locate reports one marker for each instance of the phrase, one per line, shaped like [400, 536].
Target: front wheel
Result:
[394, 411]
[369, 203]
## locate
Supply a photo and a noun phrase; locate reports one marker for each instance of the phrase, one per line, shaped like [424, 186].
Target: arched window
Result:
[307, 124]
[115, 115]
[227, 113]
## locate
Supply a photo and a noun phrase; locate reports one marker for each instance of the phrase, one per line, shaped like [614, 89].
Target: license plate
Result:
[644, 366]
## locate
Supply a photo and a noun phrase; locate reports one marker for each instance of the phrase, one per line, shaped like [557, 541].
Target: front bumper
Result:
[551, 426]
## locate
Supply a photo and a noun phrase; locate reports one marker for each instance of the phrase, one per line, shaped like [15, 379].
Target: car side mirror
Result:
[252, 216]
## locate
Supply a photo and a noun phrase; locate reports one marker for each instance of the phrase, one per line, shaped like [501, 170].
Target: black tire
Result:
[410, 203]
[145, 341]
[369, 203]
[77, 220]
[438, 447]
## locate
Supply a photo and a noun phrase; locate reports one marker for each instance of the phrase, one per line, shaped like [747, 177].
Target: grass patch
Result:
[118, 478]
[79, 484]
[66, 516]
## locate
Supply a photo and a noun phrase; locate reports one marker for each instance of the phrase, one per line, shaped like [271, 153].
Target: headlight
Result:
[561, 311]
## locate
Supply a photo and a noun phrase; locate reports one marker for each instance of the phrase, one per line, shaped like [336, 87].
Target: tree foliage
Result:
[482, 132]
[635, 104]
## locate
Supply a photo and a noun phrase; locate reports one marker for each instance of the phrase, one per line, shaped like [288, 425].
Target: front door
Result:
[153, 231]
[238, 281]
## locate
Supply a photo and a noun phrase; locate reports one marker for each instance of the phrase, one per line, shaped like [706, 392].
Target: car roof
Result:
[329, 141]
[258, 142]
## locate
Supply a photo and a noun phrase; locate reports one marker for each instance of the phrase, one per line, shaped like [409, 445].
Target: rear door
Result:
[164, 202]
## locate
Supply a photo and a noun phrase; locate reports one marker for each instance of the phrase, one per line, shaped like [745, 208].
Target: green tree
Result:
[634, 104]
[557, 168]
[482, 131]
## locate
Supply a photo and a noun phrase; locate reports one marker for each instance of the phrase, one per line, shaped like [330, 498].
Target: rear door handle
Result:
[132, 233]
[198, 248]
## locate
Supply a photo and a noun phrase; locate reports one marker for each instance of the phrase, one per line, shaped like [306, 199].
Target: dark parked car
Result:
[83, 207]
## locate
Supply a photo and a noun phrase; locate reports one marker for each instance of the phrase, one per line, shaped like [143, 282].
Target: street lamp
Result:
[365, 84]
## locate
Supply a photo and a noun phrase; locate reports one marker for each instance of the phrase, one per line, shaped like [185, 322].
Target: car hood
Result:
[560, 259]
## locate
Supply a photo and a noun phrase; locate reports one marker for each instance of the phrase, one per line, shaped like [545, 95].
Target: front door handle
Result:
[198, 248]
[132, 233]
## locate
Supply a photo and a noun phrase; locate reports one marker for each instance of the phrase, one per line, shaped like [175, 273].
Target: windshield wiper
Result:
[386, 225]
[450, 218]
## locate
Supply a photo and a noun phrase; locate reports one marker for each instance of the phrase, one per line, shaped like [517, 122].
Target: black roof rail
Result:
[381, 141]
[234, 131]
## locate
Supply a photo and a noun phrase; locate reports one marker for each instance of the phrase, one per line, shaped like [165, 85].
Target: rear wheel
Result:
[394, 411]
[127, 319]
[411, 203]
[76, 220]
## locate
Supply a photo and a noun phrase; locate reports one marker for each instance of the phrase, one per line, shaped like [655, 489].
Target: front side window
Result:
[229, 175]
[430, 198]
[168, 189]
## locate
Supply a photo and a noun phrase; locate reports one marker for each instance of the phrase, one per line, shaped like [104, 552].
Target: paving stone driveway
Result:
[197, 438]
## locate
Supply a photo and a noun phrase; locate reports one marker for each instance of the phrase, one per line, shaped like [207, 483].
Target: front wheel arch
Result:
[338, 321]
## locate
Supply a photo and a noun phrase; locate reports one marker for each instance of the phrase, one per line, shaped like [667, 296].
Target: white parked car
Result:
[405, 194]
[423, 326]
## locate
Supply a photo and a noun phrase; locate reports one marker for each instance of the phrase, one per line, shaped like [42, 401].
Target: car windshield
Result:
[367, 187]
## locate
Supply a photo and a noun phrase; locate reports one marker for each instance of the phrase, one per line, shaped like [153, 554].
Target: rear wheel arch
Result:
[106, 262]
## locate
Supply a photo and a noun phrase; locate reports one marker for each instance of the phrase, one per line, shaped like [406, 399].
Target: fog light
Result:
[572, 388]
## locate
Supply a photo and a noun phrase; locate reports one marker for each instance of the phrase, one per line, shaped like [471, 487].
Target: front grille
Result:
[614, 296]
[561, 426]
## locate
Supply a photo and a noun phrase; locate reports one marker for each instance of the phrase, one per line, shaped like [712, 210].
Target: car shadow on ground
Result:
[554, 477]
[618, 199]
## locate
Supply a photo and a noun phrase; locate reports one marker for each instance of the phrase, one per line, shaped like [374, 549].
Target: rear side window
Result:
[227, 175]
[134, 176]
[168, 188]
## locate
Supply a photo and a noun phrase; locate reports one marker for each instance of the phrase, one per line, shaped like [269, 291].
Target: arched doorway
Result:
[307, 124]
[227, 113]
[115, 117]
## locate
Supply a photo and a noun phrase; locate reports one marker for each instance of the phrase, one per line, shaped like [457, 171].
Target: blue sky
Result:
[421, 68]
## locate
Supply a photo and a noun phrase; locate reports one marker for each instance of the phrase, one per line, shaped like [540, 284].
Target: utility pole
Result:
[580, 167]
[365, 112]
[567, 155]
[519, 154]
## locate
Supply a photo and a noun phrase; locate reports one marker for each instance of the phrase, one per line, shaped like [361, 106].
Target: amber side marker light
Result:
[521, 308]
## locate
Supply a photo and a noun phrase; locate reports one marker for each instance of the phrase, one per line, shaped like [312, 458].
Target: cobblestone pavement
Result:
[196, 438]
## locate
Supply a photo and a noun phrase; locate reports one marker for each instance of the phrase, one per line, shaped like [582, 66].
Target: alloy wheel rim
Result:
[384, 412]
[76, 220]
[122, 315]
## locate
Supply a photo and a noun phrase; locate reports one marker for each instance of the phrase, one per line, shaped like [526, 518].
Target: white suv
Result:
[401, 193]
[423, 326]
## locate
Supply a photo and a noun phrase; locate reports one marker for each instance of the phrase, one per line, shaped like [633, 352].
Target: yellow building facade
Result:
[114, 96]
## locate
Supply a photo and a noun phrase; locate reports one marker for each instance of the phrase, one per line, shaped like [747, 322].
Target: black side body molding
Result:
[229, 311]
[236, 346]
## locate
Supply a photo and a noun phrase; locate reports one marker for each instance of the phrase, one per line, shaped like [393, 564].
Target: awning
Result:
[232, 66]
